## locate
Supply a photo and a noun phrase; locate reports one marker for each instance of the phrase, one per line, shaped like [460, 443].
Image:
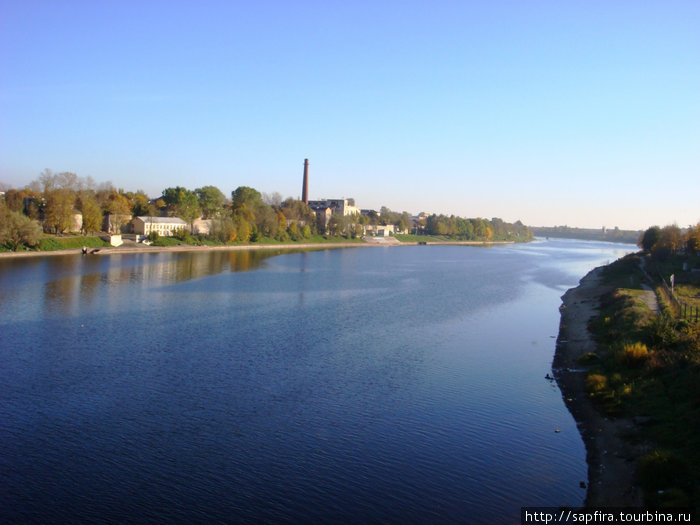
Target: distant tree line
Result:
[51, 203]
[475, 229]
[598, 234]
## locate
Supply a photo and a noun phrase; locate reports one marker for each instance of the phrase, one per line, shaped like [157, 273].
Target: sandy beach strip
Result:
[611, 460]
[144, 248]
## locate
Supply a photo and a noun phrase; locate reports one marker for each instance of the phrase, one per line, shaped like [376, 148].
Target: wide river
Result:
[361, 385]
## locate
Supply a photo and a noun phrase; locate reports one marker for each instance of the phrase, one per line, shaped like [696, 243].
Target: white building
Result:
[165, 226]
[380, 230]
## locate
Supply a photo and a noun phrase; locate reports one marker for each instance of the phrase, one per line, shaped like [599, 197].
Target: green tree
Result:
[649, 238]
[436, 225]
[211, 200]
[17, 229]
[141, 205]
[404, 222]
[481, 229]
[293, 231]
[266, 221]
[244, 229]
[296, 210]
[248, 196]
[465, 229]
[183, 203]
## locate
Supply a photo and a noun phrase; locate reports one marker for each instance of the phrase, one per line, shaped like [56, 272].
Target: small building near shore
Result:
[202, 226]
[165, 226]
[116, 223]
[379, 230]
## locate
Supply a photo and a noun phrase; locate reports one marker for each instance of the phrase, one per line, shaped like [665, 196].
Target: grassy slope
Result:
[197, 240]
[648, 365]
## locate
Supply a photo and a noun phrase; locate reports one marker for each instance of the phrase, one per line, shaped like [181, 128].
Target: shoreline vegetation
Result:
[39, 215]
[104, 248]
[627, 362]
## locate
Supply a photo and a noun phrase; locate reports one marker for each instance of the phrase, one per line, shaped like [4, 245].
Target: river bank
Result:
[144, 248]
[611, 459]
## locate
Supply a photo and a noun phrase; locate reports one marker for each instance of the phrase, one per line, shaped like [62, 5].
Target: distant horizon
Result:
[555, 113]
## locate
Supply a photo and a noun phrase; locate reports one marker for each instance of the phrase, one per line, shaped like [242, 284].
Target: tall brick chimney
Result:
[305, 187]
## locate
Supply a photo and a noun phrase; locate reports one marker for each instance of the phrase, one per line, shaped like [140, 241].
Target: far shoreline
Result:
[141, 248]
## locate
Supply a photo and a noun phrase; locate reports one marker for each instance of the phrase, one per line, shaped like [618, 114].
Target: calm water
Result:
[400, 384]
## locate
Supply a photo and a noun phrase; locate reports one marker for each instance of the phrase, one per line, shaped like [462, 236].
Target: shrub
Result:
[184, 236]
[662, 331]
[660, 469]
[166, 241]
[596, 384]
[634, 354]
[588, 358]
[16, 229]
[64, 243]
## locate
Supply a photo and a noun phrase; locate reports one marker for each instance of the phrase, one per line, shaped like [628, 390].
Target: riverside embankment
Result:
[611, 460]
[143, 248]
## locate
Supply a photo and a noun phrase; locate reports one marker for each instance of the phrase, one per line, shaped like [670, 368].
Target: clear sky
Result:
[584, 113]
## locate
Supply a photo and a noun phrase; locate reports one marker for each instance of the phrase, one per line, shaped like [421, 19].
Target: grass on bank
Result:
[648, 365]
[409, 237]
[48, 244]
[687, 281]
[201, 240]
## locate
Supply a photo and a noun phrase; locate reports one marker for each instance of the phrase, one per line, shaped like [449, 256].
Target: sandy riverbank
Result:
[611, 460]
[144, 248]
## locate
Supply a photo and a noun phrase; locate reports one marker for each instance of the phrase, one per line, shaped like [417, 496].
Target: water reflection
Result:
[388, 384]
[61, 286]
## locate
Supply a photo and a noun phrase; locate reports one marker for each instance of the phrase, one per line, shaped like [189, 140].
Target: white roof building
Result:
[163, 225]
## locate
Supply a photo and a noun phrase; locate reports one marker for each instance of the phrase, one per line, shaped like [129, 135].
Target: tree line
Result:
[663, 242]
[50, 204]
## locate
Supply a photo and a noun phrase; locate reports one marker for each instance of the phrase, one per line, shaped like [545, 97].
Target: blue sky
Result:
[552, 112]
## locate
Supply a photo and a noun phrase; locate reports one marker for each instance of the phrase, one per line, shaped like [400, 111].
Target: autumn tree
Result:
[692, 240]
[670, 240]
[141, 206]
[14, 199]
[119, 209]
[59, 210]
[298, 211]
[223, 229]
[92, 213]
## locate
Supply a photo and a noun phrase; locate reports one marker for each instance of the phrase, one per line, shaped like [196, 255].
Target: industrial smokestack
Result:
[305, 186]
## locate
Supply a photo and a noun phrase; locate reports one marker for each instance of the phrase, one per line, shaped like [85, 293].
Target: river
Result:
[365, 385]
